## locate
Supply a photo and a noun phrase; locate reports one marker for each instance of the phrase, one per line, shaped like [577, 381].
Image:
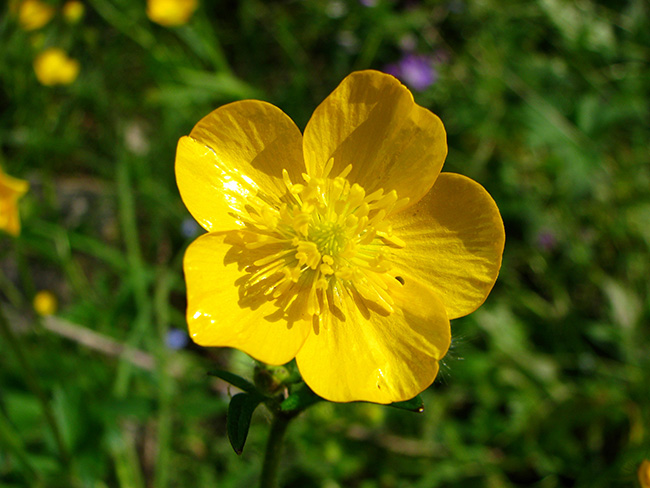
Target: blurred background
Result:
[546, 104]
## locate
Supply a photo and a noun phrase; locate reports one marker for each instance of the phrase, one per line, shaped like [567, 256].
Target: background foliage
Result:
[545, 103]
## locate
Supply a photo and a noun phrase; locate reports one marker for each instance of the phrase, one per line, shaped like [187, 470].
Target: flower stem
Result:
[274, 450]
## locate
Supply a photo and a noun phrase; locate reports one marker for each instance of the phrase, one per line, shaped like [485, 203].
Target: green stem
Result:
[137, 273]
[30, 378]
[274, 450]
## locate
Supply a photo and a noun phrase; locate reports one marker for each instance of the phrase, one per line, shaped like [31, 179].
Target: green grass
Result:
[546, 103]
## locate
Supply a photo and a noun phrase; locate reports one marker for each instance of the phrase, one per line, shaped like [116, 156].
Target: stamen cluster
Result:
[325, 240]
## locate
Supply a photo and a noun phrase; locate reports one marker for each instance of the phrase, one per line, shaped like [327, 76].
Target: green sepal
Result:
[234, 380]
[270, 380]
[300, 398]
[238, 421]
[413, 405]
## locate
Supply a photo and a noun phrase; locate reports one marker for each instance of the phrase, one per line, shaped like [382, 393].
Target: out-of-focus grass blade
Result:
[127, 465]
[196, 85]
[12, 441]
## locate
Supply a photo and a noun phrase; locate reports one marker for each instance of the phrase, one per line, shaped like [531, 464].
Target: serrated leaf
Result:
[234, 380]
[240, 412]
[299, 400]
[413, 405]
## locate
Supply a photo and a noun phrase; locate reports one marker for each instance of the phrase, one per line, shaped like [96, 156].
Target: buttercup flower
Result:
[33, 14]
[54, 67]
[170, 13]
[11, 189]
[644, 474]
[333, 247]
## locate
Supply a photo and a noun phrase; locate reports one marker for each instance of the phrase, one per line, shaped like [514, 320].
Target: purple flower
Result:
[415, 70]
[177, 339]
[368, 3]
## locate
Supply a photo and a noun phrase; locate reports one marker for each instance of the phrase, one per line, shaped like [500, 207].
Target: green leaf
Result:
[299, 399]
[240, 412]
[413, 405]
[234, 380]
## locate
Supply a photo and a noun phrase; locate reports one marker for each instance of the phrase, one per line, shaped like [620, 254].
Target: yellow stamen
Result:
[328, 241]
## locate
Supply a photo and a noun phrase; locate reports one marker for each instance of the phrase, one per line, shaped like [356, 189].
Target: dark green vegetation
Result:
[546, 103]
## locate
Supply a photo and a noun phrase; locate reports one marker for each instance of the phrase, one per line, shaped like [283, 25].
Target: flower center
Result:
[326, 241]
[329, 237]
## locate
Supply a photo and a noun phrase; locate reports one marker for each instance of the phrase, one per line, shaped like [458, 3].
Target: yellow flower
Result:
[11, 189]
[333, 247]
[33, 14]
[170, 13]
[45, 303]
[73, 11]
[54, 67]
[644, 474]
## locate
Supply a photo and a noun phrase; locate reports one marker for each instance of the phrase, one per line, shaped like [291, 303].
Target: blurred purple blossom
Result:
[368, 3]
[177, 339]
[415, 70]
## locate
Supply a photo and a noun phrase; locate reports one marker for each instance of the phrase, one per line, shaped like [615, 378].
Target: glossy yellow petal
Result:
[371, 122]
[224, 309]
[357, 354]
[236, 153]
[454, 243]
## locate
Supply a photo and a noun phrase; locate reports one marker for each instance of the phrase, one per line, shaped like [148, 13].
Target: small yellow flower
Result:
[54, 67]
[73, 11]
[344, 248]
[171, 13]
[45, 303]
[33, 14]
[644, 474]
[11, 189]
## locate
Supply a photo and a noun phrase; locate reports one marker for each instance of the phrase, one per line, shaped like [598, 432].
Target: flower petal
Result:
[371, 122]
[11, 190]
[356, 354]
[454, 243]
[236, 153]
[222, 312]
